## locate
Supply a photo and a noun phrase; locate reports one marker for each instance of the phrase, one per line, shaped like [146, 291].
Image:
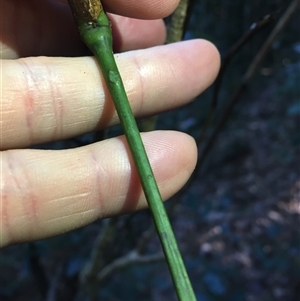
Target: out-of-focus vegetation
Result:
[238, 220]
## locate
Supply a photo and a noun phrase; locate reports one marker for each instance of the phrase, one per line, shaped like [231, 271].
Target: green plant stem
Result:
[97, 35]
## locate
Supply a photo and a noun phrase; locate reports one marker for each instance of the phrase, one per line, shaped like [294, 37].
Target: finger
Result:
[57, 98]
[44, 193]
[142, 9]
[130, 34]
[33, 28]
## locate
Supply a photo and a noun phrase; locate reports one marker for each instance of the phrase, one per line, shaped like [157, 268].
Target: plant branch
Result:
[249, 74]
[130, 258]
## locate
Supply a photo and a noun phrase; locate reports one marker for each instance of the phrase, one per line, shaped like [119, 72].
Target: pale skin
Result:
[48, 96]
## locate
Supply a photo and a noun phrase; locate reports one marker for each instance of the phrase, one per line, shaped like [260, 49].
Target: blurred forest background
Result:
[237, 220]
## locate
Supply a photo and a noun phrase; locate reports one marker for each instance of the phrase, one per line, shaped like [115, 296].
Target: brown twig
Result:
[246, 78]
[255, 28]
[89, 272]
[249, 74]
[55, 283]
[130, 258]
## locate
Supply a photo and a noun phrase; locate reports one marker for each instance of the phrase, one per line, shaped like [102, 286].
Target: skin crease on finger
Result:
[87, 183]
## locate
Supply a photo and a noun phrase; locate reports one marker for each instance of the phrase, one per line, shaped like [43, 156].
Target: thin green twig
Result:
[95, 31]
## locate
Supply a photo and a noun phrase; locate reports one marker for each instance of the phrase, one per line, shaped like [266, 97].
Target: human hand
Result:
[45, 193]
